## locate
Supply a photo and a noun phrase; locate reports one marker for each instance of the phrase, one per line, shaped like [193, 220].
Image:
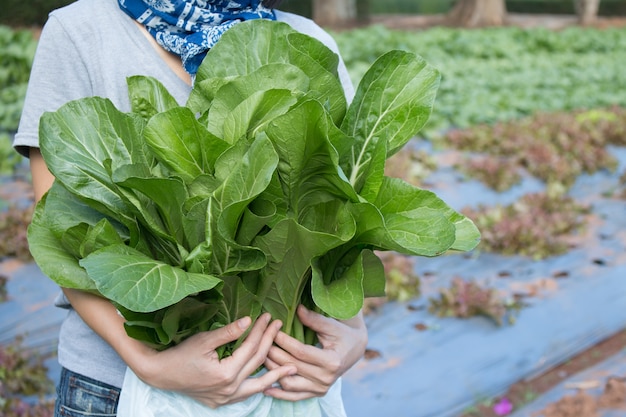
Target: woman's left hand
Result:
[342, 343]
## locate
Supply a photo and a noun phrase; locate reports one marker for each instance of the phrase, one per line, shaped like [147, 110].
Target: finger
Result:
[296, 350]
[295, 383]
[270, 364]
[229, 333]
[281, 394]
[317, 322]
[249, 345]
[254, 336]
[265, 381]
[313, 372]
[300, 381]
[253, 351]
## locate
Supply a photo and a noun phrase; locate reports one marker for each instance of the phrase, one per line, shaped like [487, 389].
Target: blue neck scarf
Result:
[189, 28]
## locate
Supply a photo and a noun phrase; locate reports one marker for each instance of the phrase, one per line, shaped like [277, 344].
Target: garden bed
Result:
[418, 364]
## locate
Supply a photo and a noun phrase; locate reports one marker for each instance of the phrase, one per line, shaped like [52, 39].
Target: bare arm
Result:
[193, 367]
[42, 178]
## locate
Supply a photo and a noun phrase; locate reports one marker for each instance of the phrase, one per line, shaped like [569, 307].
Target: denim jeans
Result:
[79, 396]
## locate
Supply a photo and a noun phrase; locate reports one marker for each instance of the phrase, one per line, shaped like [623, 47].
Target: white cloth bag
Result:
[138, 399]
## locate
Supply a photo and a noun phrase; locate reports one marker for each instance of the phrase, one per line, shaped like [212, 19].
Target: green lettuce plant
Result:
[264, 191]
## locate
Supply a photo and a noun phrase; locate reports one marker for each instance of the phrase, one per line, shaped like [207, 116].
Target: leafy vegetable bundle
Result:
[266, 190]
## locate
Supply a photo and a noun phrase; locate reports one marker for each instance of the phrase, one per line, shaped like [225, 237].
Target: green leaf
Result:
[320, 64]
[171, 325]
[269, 42]
[65, 210]
[242, 302]
[356, 275]
[186, 318]
[467, 235]
[182, 144]
[255, 218]
[138, 282]
[374, 279]
[313, 56]
[195, 224]
[270, 76]
[253, 114]
[91, 238]
[399, 197]
[343, 297]
[308, 168]
[291, 249]
[245, 173]
[148, 96]
[392, 103]
[265, 43]
[54, 261]
[157, 202]
[203, 93]
[92, 134]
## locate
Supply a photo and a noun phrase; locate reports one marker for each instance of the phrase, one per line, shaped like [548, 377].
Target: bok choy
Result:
[264, 191]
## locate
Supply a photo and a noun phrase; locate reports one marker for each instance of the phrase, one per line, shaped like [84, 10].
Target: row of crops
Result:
[499, 74]
[489, 75]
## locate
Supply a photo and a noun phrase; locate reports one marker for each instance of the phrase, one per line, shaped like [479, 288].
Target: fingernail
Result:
[243, 323]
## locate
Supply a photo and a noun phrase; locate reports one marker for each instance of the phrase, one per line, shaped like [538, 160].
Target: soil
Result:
[580, 404]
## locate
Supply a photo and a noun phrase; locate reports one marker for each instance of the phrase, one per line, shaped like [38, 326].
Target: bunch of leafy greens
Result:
[263, 192]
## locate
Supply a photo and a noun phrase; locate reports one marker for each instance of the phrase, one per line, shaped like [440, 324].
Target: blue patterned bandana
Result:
[189, 28]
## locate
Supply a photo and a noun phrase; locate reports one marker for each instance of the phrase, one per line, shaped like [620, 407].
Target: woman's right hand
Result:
[194, 369]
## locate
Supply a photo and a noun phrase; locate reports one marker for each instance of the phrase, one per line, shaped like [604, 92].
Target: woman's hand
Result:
[342, 345]
[194, 369]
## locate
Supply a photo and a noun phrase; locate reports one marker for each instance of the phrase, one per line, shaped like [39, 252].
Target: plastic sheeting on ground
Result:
[30, 313]
[578, 300]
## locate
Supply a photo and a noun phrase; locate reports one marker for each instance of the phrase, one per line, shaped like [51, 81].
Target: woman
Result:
[88, 49]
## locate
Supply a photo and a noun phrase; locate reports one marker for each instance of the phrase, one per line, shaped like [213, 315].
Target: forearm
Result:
[99, 314]
[102, 317]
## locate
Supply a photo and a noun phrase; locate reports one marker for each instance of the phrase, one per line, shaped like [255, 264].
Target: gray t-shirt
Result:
[88, 49]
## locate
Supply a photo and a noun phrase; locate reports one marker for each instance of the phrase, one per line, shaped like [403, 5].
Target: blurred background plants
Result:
[17, 48]
[464, 299]
[498, 74]
[554, 147]
[24, 383]
[537, 225]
